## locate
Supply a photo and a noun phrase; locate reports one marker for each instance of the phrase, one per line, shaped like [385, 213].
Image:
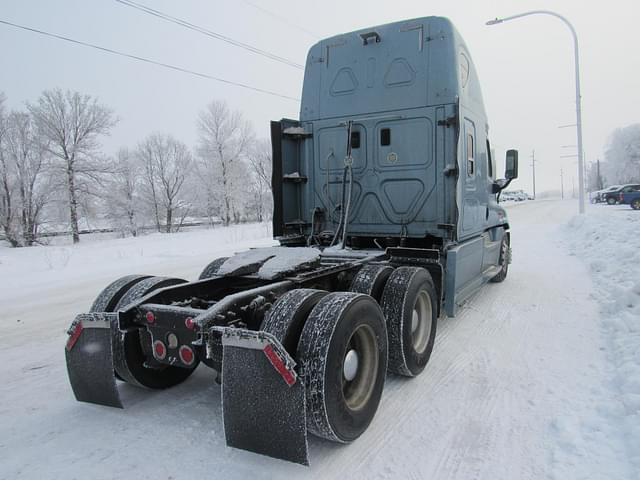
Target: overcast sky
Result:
[525, 66]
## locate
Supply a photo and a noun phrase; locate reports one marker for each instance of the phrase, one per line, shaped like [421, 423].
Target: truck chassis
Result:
[153, 332]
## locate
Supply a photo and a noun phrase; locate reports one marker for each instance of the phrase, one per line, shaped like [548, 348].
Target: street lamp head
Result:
[495, 21]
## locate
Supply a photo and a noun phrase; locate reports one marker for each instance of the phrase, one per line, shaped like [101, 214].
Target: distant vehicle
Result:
[515, 196]
[630, 197]
[613, 196]
[600, 194]
[594, 197]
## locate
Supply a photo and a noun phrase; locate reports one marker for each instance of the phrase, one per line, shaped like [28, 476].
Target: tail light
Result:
[186, 355]
[159, 350]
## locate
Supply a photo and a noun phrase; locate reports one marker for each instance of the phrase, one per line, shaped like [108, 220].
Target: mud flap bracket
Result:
[263, 400]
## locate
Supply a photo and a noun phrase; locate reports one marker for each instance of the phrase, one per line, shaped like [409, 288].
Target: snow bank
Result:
[607, 240]
[24, 271]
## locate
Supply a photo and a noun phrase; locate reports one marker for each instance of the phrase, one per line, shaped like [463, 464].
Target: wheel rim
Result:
[421, 322]
[360, 367]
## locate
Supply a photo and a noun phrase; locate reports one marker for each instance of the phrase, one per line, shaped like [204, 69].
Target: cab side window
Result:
[489, 161]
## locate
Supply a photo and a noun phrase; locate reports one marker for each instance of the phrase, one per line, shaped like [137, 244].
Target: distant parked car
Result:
[599, 195]
[594, 197]
[630, 197]
[613, 196]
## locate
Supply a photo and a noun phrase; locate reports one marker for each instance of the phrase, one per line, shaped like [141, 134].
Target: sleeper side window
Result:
[471, 161]
[355, 139]
[385, 137]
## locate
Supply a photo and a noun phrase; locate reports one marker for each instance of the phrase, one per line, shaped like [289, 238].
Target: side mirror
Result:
[511, 166]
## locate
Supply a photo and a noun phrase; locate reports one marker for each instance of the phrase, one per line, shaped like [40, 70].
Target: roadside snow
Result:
[607, 239]
[537, 377]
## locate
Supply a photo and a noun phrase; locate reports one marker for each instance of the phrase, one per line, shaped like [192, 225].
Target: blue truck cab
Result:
[387, 188]
[392, 150]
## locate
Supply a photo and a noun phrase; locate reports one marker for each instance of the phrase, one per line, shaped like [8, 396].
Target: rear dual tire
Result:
[342, 353]
[131, 349]
[409, 304]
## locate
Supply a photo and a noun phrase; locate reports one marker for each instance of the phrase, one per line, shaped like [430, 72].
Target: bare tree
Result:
[6, 187]
[224, 139]
[261, 165]
[167, 165]
[623, 155]
[121, 192]
[28, 155]
[72, 125]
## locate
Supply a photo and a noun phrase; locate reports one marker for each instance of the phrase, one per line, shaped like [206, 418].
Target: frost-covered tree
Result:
[72, 125]
[7, 214]
[623, 155]
[27, 153]
[122, 192]
[260, 167]
[224, 138]
[167, 165]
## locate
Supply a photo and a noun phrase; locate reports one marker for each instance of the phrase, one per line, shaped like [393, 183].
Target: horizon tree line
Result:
[54, 172]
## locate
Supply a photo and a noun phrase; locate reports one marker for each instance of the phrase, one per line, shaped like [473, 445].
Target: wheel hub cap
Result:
[350, 368]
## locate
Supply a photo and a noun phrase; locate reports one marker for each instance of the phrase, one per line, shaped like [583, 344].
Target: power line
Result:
[209, 33]
[282, 19]
[153, 62]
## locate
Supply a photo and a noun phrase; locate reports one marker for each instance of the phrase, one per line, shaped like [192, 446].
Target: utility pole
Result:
[533, 166]
[600, 185]
[561, 185]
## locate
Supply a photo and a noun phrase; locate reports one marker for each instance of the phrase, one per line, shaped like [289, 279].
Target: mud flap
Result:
[263, 400]
[90, 359]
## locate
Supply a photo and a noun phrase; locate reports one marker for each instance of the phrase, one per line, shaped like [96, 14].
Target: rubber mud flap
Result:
[90, 359]
[263, 407]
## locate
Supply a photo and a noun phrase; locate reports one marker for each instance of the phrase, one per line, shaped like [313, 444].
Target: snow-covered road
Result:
[518, 385]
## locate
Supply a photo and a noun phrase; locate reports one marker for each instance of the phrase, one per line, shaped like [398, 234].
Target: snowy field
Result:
[537, 377]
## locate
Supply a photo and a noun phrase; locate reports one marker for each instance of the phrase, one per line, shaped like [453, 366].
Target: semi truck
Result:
[387, 220]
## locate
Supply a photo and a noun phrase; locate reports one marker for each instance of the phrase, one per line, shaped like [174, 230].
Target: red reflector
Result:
[186, 355]
[189, 323]
[74, 336]
[279, 365]
[159, 350]
[151, 318]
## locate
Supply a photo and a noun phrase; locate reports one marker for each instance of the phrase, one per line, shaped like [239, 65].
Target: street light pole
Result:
[578, 94]
[533, 166]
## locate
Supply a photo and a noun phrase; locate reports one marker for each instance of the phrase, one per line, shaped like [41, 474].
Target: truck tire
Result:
[108, 298]
[371, 280]
[635, 204]
[286, 318]
[131, 349]
[409, 304]
[212, 269]
[503, 260]
[343, 357]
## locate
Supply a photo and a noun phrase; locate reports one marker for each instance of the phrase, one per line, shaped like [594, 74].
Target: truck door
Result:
[474, 179]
